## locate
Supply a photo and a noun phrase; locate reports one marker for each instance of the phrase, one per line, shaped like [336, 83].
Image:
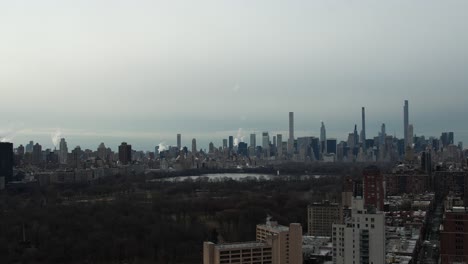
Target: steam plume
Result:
[163, 146]
[56, 136]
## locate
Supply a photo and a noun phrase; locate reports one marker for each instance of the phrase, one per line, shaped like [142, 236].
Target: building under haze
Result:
[37, 154]
[231, 142]
[406, 122]
[291, 134]
[63, 151]
[125, 153]
[323, 139]
[179, 141]
[253, 140]
[279, 145]
[194, 146]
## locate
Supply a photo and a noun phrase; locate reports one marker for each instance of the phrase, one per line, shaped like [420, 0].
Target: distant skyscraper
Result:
[125, 153]
[274, 141]
[363, 129]
[406, 122]
[356, 136]
[29, 147]
[211, 147]
[179, 141]
[231, 142]
[410, 135]
[37, 154]
[253, 140]
[291, 125]
[331, 145]
[63, 151]
[451, 138]
[194, 146]
[242, 148]
[20, 150]
[291, 133]
[225, 143]
[323, 138]
[383, 134]
[265, 140]
[279, 145]
[102, 151]
[6, 162]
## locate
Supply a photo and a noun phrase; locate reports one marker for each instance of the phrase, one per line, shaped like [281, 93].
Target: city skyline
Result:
[241, 135]
[143, 71]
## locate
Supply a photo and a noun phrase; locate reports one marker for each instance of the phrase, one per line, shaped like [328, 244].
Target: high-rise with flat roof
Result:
[279, 145]
[125, 153]
[321, 217]
[363, 129]
[275, 244]
[179, 141]
[231, 142]
[194, 146]
[406, 122]
[63, 152]
[37, 154]
[361, 239]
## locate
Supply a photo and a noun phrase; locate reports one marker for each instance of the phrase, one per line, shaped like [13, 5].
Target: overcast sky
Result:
[142, 71]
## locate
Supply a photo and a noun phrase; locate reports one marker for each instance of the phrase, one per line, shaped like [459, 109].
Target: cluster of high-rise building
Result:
[357, 147]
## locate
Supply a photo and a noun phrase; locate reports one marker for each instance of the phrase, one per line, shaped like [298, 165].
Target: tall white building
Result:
[63, 151]
[361, 239]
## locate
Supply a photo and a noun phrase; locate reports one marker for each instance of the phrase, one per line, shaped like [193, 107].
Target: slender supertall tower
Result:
[179, 141]
[323, 138]
[383, 134]
[405, 124]
[291, 133]
[291, 125]
[363, 132]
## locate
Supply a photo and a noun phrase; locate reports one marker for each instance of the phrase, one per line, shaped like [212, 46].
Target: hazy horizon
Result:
[143, 71]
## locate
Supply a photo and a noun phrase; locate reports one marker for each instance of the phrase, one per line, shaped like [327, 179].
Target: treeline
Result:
[147, 222]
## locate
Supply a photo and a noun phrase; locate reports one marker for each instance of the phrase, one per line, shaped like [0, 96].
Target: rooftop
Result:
[241, 245]
[273, 226]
